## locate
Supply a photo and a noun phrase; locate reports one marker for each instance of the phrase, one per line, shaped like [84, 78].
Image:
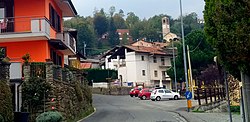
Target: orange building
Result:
[35, 27]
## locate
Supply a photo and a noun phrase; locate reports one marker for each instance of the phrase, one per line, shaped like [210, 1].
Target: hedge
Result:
[100, 75]
[6, 108]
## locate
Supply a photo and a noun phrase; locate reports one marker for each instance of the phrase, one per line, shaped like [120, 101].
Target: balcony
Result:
[24, 29]
[69, 41]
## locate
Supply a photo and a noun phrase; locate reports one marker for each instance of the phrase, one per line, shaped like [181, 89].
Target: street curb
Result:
[87, 116]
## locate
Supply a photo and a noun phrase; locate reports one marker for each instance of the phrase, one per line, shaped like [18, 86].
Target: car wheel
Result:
[158, 98]
[131, 95]
[144, 97]
[153, 99]
[175, 97]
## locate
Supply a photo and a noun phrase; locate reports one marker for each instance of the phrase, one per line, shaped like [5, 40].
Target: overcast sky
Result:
[142, 8]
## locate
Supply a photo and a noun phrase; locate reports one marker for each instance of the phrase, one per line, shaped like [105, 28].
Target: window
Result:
[2, 14]
[57, 59]
[156, 73]
[161, 91]
[142, 58]
[167, 91]
[162, 61]
[3, 52]
[163, 74]
[55, 19]
[155, 59]
[143, 73]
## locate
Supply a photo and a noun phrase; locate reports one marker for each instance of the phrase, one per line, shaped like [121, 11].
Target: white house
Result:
[140, 64]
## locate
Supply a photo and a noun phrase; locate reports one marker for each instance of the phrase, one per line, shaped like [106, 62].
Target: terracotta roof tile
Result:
[143, 49]
[86, 65]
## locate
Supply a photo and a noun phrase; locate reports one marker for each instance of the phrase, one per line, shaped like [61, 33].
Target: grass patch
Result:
[235, 109]
[82, 115]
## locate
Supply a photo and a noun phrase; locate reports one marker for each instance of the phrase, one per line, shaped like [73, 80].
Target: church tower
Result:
[165, 26]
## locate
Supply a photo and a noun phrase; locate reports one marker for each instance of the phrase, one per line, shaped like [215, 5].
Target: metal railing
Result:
[38, 70]
[67, 39]
[72, 42]
[57, 73]
[24, 25]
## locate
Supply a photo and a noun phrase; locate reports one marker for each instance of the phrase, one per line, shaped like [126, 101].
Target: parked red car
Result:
[134, 92]
[145, 93]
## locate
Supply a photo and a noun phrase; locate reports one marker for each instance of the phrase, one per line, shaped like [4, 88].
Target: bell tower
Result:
[165, 26]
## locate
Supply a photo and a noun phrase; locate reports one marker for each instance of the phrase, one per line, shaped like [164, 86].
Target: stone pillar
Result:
[49, 72]
[26, 72]
[5, 71]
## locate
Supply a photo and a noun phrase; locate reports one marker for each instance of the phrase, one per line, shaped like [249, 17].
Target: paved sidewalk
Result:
[208, 117]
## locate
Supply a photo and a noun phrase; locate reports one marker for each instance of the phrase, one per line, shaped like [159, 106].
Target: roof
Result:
[86, 65]
[139, 49]
[110, 52]
[142, 49]
[67, 7]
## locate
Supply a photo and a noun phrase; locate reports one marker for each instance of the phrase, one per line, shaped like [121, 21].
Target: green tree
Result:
[113, 36]
[112, 11]
[6, 108]
[33, 93]
[227, 26]
[124, 40]
[86, 33]
[190, 23]
[101, 23]
[201, 55]
[119, 21]
[132, 19]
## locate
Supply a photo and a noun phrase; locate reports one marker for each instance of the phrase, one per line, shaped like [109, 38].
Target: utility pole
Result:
[245, 79]
[175, 82]
[190, 71]
[184, 53]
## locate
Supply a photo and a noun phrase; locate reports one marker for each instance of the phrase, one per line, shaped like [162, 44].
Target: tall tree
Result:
[201, 54]
[100, 23]
[119, 21]
[190, 22]
[227, 26]
[132, 19]
[113, 36]
[112, 11]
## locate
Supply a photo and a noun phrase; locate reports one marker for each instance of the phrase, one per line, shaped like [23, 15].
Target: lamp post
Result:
[175, 82]
[184, 49]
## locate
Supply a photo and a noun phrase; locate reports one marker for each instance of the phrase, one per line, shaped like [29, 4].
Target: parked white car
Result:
[159, 94]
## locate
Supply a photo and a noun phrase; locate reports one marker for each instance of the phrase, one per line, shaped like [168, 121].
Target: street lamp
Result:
[184, 49]
[175, 82]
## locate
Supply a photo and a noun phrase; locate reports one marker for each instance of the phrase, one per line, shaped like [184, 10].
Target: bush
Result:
[6, 102]
[1, 118]
[50, 117]
[33, 93]
[235, 109]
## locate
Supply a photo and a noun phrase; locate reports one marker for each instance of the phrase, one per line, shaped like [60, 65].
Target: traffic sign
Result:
[188, 95]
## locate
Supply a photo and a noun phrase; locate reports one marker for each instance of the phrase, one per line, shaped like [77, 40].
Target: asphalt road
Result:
[127, 109]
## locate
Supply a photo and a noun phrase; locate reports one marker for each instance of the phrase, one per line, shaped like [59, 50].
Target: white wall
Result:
[132, 71]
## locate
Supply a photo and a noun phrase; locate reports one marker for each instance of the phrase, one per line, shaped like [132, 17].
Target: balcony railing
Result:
[68, 40]
[24, 27]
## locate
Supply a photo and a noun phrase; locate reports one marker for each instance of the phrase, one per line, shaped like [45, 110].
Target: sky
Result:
[141, 8]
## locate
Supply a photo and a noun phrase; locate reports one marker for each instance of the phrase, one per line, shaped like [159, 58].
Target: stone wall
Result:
[112, 91]
[69, 95]
[218, 106]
